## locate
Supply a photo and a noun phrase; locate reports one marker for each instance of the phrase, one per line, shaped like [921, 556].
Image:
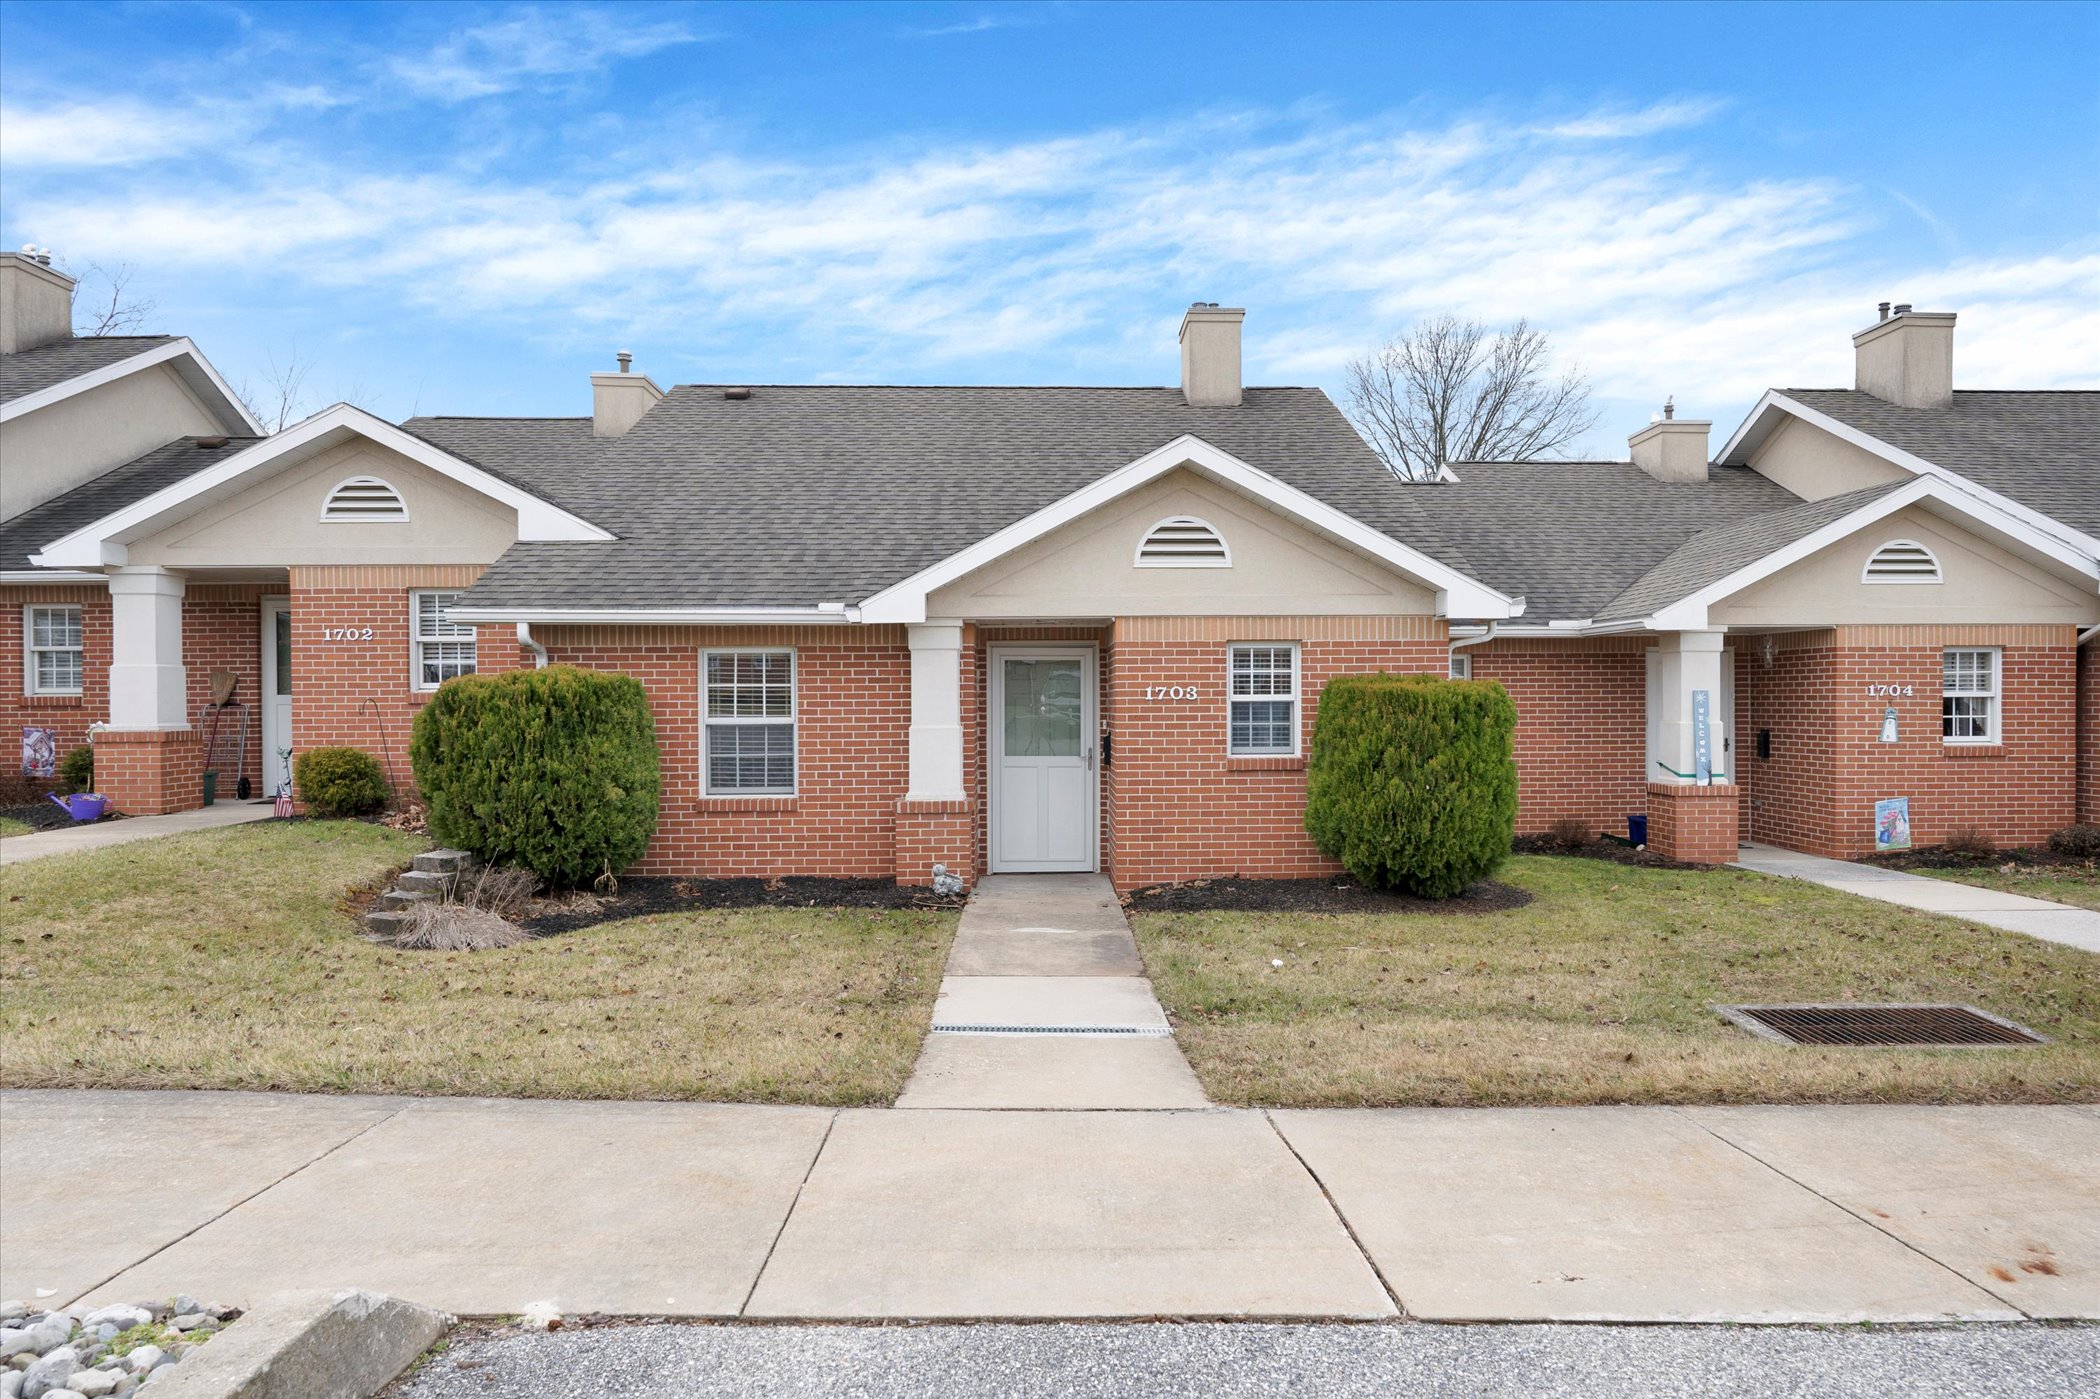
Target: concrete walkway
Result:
[1781, 1214]
[68, 840]
[2015, 913]
[1045, 1005]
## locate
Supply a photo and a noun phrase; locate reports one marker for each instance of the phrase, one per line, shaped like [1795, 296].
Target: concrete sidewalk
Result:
[2015, 913]
[1781, 1214]
[98, 835]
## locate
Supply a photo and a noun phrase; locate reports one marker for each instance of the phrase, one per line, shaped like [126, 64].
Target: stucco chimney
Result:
[1210, 355]
[1908, 359]
[36, 302]
[1672, 448]
[619, 400]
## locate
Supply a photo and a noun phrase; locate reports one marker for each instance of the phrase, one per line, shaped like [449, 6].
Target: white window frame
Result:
[793, 722]
[417, 640]
[1461, 666]
[1994, 716]
[30, 650]
[1296, 703]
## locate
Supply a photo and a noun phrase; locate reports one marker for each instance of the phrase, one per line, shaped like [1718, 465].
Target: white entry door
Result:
[1043, 733]
[276, 692]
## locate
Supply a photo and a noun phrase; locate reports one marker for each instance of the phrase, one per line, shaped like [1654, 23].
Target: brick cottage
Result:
[1035, 629]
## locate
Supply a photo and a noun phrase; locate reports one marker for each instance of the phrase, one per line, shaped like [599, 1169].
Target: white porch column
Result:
[936, 712]
[1685, 665]
[148, 688]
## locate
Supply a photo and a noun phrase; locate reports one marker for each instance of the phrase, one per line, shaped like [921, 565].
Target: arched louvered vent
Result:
[1183, 542]
[1902, 561]
[364, 498]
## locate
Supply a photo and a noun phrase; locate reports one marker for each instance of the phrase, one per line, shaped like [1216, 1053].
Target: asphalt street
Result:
[1205, 1361]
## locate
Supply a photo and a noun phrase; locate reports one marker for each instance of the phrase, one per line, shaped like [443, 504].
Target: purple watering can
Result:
[82, 806]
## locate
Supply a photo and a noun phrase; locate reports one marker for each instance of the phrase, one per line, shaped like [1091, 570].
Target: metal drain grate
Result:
[1882, 1026]
[1051, 1030]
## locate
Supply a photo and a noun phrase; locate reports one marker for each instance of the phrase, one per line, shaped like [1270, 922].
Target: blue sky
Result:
[465, 208]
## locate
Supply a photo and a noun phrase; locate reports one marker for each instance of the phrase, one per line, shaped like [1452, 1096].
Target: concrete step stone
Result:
[394, 899]
[443, 861]
[423, 880]
[386, 922]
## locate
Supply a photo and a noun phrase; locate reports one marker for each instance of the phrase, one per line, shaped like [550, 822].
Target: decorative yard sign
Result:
[39, 751]
[1702, 739]
[1892, 824]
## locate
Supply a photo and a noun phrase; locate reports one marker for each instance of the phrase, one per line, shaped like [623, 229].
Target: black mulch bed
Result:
[45, 816]
[1336, 895]
[1939, 857]
[1616, 851]
[643, 894]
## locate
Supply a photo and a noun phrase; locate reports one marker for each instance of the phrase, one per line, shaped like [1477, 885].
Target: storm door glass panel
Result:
[1044, 703]
[284, 652]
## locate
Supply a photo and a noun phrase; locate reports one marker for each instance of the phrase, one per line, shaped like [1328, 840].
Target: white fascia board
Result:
[182, 355]
[1457, 594]
[644, 616]
[1690, 613]
[34, 576]
[102, 543]
[1756, 428]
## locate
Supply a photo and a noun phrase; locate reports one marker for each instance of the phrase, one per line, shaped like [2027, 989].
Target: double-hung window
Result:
[441, 649]
[56, 659]
[747, 708]
[1969, 678]
[1262, 701]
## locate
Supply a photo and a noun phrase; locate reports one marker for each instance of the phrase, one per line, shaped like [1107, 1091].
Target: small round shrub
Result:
[552, 769]
[1413, 780]
[339, 781]
[76, 771]
[2076, 842]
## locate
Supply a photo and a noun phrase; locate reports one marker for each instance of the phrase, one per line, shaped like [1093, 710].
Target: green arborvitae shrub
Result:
[1413, 783]
[553, 769]
[76, 771]
[339, 781]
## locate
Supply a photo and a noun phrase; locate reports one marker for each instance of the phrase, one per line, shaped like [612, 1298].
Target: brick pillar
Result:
[936, 832]
[1694, 824]
[149, 772]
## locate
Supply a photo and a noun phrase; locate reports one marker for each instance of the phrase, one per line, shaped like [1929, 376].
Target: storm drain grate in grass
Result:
[1153, 1030]
[1880, 1026]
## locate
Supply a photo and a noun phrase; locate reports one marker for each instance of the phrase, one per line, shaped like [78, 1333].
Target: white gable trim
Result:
[180, 353]
[1457, 594]
[102, 543]
[1691, 612]
[1757, 426]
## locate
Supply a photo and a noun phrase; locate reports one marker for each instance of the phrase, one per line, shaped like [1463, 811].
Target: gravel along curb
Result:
[307, 1345]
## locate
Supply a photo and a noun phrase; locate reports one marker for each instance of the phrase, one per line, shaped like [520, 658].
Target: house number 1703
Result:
[1170, 692]
[346, 633]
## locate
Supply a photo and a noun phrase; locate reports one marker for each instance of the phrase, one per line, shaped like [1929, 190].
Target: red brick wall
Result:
[1692, 823]
[1828, 767]
[150, 772]
[853, 695]
[1185, 809]
[2089, 732]
[1582, 738]
[69, 715]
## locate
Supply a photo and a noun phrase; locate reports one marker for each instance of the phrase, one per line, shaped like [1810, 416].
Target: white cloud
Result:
[534, 44]
[1618, 124]
[100, 133]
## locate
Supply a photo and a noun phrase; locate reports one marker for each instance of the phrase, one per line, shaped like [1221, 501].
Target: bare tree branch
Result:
[1449, 390]
[118, 313]
[281, 400]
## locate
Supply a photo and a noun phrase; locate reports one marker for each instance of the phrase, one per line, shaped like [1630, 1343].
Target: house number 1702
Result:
[346, 633]
[1170, 692]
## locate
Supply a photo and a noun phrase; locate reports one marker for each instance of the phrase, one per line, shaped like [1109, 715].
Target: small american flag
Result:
[284, 803]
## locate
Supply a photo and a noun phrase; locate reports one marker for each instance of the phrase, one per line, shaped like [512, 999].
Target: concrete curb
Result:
[343, 1344]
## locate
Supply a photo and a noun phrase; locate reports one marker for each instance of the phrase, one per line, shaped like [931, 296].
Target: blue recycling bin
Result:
[1637, 829]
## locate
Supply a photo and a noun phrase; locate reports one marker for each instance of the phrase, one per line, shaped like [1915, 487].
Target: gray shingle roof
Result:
[30, 371]
[1713, 554]
[830, 493]
[1571, 536]
[2040, 448]
[111, 491]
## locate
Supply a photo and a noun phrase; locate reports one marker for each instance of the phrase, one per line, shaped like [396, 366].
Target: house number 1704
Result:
[346, 633]
[1170, 692]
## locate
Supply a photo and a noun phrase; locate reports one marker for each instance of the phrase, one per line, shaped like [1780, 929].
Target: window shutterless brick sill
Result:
[710, 806]
[1973, 750]
[53, 702]
[1278, 764]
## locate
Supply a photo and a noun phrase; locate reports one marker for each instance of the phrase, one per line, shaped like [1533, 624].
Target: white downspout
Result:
[1488, 635]
[525, 641]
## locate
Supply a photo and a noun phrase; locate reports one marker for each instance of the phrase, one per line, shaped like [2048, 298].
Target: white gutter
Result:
[662, 617]
[34, 576]
[539, 652]
[2088, 634]
[1493, 630]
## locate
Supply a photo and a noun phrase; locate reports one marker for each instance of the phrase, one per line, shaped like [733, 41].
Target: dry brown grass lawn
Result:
[224, 960]
[2064, 884]
[1597, 992]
